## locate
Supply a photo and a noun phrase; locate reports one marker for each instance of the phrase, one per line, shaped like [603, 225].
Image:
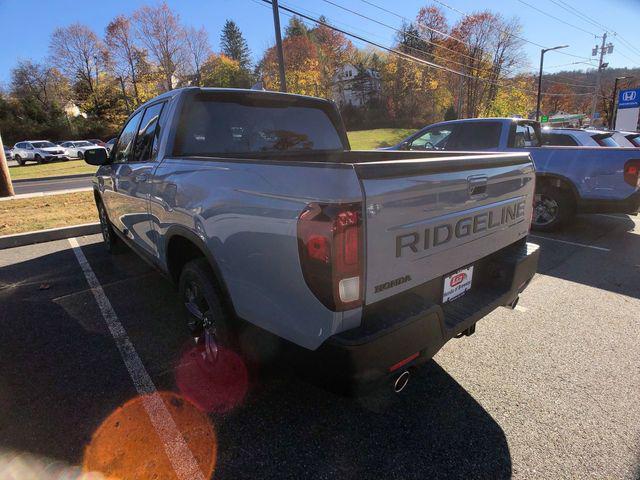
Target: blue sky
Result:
[27, 24]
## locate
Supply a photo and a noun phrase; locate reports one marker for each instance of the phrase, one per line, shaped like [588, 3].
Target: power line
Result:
[464, 14]
[557, 18]
[418, 37]
[565, 6]
[406, 56]
[597, 24]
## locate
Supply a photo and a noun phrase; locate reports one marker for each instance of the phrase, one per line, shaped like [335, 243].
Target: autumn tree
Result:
[198, 50]
[78, 53]
[334, 50]
[302, 66]
[222, 71]
[488, 48]
[128, 60]
[234, 45]
[159, 30]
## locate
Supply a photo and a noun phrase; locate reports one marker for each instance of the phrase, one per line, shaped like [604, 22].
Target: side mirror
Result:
[96, 156]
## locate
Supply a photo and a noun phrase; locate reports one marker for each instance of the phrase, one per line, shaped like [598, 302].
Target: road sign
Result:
[629, 98]
[544, 118]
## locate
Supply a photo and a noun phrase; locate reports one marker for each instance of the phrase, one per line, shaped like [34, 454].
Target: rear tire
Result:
[38, 159]
[208, 322]
[19, 159]
[553, 207]
[80, 155]
[112, 242]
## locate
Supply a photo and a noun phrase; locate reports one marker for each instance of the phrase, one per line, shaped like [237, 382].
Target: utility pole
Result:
[276, 26]
[601, 66]
[6, 187]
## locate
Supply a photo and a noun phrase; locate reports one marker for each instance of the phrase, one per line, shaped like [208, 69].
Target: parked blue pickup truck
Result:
[570, 179]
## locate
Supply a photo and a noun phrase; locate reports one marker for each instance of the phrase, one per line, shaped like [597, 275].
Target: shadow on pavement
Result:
[616, 271]
[61, 376]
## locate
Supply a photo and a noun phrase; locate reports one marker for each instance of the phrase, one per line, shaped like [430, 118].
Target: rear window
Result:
[605, 140]
[213, 125]
[559, 139]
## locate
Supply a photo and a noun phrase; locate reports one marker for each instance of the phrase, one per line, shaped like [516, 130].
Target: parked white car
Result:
[76, 148]
[38, 151]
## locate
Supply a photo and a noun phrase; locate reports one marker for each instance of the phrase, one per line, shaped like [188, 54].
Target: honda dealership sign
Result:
[628, 110]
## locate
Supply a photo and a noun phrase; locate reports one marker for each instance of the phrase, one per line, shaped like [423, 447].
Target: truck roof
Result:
[246, 91]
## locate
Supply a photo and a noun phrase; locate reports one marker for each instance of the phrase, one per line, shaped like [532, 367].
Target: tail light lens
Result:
[632, 173]
[330, 247]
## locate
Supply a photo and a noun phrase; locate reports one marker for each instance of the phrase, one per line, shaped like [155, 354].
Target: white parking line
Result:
[520, 308]
[181, 458]
[602, 249]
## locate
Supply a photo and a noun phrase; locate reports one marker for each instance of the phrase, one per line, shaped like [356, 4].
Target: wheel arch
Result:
[181, 245]
[558, 181]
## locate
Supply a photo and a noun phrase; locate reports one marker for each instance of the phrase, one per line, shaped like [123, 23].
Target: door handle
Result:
[141, 177]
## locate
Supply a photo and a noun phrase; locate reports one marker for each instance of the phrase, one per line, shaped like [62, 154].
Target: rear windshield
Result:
[211, 125]
[635, 139]
[605, 140]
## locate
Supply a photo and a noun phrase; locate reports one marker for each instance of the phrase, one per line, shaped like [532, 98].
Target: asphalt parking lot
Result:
[549, 390]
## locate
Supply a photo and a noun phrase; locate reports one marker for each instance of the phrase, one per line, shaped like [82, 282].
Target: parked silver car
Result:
[76, 148]
[576, 137]
[38, 151]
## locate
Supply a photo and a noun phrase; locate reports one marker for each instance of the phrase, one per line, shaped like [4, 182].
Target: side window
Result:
[147, 139]
[476, 135]
[434, 138]
[124, 147]
[18, 145]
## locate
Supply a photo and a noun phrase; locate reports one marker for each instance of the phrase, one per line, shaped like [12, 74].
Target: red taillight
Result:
[632, 173]
[330, 247]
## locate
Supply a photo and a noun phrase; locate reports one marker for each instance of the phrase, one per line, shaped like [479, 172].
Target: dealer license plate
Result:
[457, 283]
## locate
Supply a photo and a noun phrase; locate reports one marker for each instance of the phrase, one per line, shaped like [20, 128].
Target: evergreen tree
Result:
[233, 44]
[296, 28]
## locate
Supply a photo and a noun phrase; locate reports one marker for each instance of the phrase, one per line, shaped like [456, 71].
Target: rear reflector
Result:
[402, 363]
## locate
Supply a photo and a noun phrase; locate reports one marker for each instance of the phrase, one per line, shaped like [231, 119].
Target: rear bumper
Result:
[410, 323]
[629, 205]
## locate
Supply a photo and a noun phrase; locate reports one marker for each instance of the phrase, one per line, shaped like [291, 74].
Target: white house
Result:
[354, 87]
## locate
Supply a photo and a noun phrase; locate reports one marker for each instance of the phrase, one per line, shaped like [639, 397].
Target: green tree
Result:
[296, 28]
[234, 45]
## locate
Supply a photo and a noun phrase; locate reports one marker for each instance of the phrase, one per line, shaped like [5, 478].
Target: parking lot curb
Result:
[54, 177]
[39, 236]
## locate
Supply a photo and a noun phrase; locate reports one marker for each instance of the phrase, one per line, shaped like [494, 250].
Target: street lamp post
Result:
[542, 52]
[613, 101]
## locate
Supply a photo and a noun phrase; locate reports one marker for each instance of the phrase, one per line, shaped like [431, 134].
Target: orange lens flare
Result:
[126, 445]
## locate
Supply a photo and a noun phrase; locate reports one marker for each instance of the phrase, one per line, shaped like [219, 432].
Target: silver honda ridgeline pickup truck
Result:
[365, 262]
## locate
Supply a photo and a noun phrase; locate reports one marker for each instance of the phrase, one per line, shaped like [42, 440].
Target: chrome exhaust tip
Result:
[401, 381]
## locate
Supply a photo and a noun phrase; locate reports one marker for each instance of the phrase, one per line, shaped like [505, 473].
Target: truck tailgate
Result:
[428, 218]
